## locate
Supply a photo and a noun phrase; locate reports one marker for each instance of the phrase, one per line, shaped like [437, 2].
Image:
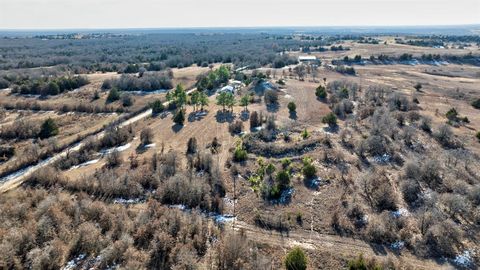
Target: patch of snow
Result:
[397, 245]
[286, 196]
[318, 182]
[120, 148]
[224, 218]
[464, 259]
[229, 201]
[152, 145]
[26, 170]
[413, 62]
[145, 93]
[401, 212]
[288, 96]
[179, 206]
[385, 158]
[90, 162]
[128, 201]
[365, 219]
[257, 128]
[73, 264]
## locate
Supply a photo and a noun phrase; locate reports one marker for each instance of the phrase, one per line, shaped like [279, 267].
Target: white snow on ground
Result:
[385, 158]
[152, 145]
[398, 245]
[73, 264]
[144, 93]
[179, 206]
[24, 171]
[401, 212]
[90, 162]
[225, 218]
[128, 201]
[464, 259]
[120, 148]
[288, 96]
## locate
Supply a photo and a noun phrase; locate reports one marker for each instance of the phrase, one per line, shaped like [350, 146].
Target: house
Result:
[308, 59]
[227, 88]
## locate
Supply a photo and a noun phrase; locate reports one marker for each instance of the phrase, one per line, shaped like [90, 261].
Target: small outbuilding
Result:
[308, 59]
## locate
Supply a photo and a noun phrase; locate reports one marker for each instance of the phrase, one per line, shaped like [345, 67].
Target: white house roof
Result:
[307, 58]
[228, 88]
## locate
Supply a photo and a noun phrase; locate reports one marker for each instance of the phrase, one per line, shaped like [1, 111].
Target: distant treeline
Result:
[153, 51]
[48, 86]
[407, 58]
[147, 82]
[438, 40]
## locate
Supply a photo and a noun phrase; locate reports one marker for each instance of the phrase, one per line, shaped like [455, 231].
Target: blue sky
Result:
[55, 14]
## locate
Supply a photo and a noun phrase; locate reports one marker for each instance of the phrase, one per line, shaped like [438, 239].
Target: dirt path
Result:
[344, 246]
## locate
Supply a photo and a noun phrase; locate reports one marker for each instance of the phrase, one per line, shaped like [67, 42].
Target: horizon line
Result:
[241, 27]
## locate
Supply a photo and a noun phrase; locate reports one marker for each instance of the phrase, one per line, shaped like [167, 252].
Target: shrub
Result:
[283, 179]
[478, 136]
[425, 125]
[321, 92]
[113, 95]
[114, 159]
[271, 97]
[20, 129]
[379, 191]
[235, 127]
[157, 107]
[305, 134]
[286, 162]
[255, 120]
[48, 129]
[476, 104]
[445, 136]
[452, 115]
[240, 154]
[444, 238]
[308, 170]
[418, 86]
[292, 108]
[361, 264]
[127, 100]
[192, 145]
[411, 190]
[179, 117]
[330, 119]
[146, 136]
[296, 259]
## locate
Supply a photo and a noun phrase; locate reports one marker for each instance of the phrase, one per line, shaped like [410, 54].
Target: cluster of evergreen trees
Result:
[49, 87]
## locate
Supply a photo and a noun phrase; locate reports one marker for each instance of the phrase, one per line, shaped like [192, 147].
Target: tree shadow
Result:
[315, 183]
[273, 107]
[245, 115]
[176, 128]
[224, 116]
[331, 129]
[293, 115]
[141, 149]
[378, 249]
[197, 116]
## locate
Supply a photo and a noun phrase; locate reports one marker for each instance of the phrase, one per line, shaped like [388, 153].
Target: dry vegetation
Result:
[384, 163]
